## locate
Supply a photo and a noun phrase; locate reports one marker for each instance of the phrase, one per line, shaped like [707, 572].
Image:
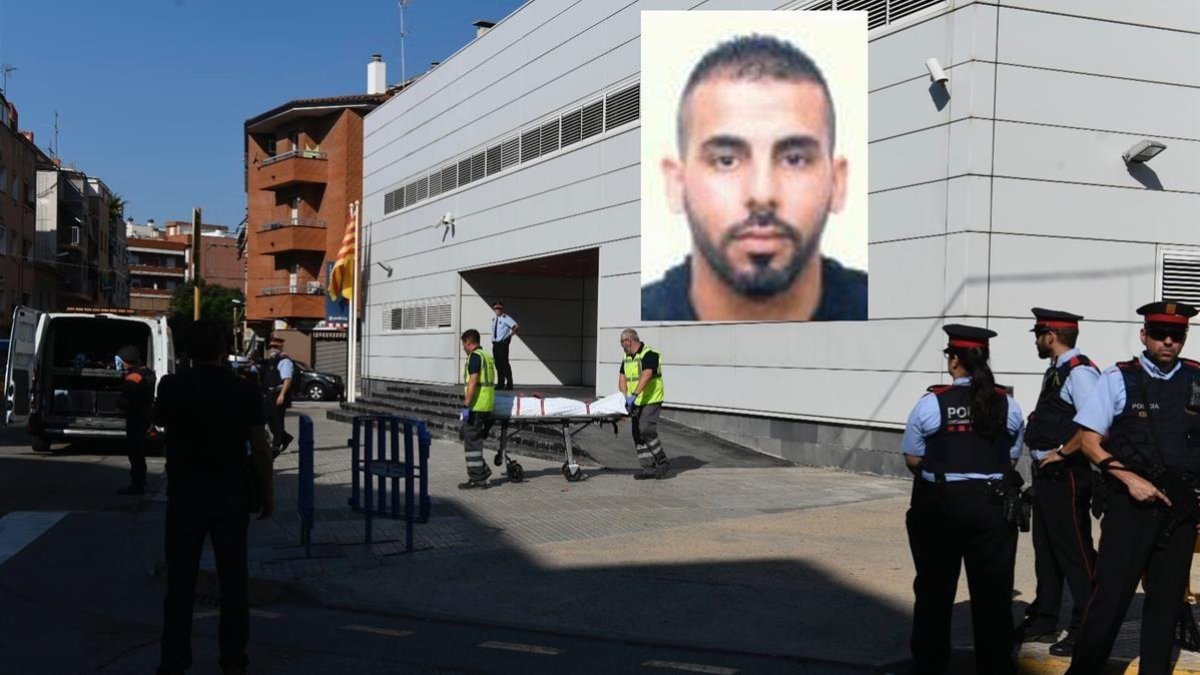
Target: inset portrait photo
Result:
[754, 166]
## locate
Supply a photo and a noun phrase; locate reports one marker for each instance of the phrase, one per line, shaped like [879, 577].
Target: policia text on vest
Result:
[479, 397]
[641, 381]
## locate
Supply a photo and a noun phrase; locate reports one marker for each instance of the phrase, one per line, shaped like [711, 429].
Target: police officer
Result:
[960, 443]
[137, 400]
[479, 395]
[641, 382]
[504, 328]
[277, 394]
[1062, 487]
[1141, 429]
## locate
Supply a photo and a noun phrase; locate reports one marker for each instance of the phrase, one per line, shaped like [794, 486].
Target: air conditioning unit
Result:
[76, 235]
[314, 288]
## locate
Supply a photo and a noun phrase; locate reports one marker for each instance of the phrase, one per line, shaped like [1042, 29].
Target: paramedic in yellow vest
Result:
[641, 383]
[479, 374]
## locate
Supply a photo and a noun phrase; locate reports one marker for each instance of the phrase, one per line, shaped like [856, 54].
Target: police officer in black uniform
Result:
[1062, 483]
[277, 394]
[137, 400]
[1141, 428]
[961, 443]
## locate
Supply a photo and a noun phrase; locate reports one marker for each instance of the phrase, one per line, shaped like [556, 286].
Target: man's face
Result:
[627, 345]
[468, 347]
[498, 309]
[1164, 343]
[756, 179]
[1042, 340]
[272, 352]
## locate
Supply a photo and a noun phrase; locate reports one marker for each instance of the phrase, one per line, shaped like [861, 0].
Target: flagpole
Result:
[352, 351]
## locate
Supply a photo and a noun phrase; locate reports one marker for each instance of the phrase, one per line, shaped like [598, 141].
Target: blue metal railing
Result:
[375, 453]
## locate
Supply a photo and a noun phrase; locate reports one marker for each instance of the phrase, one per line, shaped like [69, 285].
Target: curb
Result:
[1057, 665]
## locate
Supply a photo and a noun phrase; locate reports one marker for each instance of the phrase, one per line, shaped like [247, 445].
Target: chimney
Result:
[482, 26]
[376, 75]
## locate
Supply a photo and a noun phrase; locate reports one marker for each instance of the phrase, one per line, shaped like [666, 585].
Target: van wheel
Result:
[315, 392]
[40, 444]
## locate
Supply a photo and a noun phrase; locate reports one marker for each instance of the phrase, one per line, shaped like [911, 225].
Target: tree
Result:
[216, 303]
[116, 208]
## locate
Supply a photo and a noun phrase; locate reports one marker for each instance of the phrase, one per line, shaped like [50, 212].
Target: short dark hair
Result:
[755, 57]
[1067, 336]
[207, 340]
[470, 334]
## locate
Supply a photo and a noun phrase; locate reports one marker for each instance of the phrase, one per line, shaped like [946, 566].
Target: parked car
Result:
[316, 386]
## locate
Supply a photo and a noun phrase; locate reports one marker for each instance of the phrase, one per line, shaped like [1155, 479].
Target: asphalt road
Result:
[78, 594]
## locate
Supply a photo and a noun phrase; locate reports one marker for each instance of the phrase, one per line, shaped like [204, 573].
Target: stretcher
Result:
[571, 417]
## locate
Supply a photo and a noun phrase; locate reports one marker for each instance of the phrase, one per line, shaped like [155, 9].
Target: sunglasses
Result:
[1159, 333]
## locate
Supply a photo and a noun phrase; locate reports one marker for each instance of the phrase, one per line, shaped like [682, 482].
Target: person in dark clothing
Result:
[211, 416]
[756, 177]
[137, 399]
[504, 329]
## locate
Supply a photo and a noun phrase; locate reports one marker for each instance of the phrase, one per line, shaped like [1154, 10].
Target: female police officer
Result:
[960, 443]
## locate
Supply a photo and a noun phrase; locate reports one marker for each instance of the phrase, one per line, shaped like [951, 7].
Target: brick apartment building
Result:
[220, 263]
[25, 278]
[157, 267]
[303, 170]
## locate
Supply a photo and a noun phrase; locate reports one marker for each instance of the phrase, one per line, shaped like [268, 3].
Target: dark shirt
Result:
[843, 294]
[474, 364]
[137, 399]
[649, 362]
[208, 413]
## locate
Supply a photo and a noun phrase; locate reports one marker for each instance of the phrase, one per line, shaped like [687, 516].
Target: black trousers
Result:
[473, 431]
[645, 435]
[135, 443]
[1129, 532]
[1062, 542]
[275, 417]
[189, 520]
[503, 367]
[951, 525]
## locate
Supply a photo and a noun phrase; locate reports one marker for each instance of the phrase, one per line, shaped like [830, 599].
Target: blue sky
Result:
[152, 94]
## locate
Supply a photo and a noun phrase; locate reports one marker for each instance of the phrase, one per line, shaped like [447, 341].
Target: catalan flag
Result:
[341, 277]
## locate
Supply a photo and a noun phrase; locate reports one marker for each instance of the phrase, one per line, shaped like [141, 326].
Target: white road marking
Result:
[518, 647]
[378, 631]
[21, 528]
[691, 667]
[263, 614]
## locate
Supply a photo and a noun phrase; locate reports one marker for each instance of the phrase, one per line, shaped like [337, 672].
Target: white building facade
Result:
[511, 171]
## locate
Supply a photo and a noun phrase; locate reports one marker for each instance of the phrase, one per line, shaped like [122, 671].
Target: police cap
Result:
[1168, 312]
[1050, 319]
[277, 341]
[968, 336]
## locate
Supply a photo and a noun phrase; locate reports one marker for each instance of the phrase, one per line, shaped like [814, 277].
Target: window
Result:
[3, 177]
[269, 146]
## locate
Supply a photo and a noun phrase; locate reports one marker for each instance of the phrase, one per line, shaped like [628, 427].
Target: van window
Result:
[88, 342]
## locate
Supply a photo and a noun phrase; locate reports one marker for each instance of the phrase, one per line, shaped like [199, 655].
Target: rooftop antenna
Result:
[403, 5]
[57, 154]
[6, 68]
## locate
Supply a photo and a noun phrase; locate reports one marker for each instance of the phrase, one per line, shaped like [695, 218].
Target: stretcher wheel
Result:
[571, 474]
[516, 473]
[498, 459]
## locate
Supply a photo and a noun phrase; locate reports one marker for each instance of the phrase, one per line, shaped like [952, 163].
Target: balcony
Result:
[292, 234]
[292, 168]
[298, 301]
[157, 270]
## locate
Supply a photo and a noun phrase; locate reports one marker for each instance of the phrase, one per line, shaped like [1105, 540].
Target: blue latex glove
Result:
[629, 402]
[464, 414]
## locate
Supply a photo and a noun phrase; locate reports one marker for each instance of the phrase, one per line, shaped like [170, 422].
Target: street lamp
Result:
[1143, 151]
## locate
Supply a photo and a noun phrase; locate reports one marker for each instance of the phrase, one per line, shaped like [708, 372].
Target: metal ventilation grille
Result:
[615, 110]
[572, 129]
[879, 12]
[510, 152]
[549, 137]
[531, 145]
[493, 160]
[1181, 276]
[420, 315]
[621, 107]
[593, 119]
[392, 201]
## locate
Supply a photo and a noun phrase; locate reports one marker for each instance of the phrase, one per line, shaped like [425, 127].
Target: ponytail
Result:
[987, 412]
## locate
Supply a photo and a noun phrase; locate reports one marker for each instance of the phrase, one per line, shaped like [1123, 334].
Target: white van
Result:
[61, 379]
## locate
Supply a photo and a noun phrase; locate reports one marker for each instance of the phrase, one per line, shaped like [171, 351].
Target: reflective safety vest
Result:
[653, 393]
[485, 396]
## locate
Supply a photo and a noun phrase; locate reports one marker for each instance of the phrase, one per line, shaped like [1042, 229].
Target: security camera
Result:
[935, 71]
[1143, 151]
[448, 218]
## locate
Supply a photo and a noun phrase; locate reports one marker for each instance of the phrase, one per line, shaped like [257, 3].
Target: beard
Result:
[1043, 352]
[761, 281]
